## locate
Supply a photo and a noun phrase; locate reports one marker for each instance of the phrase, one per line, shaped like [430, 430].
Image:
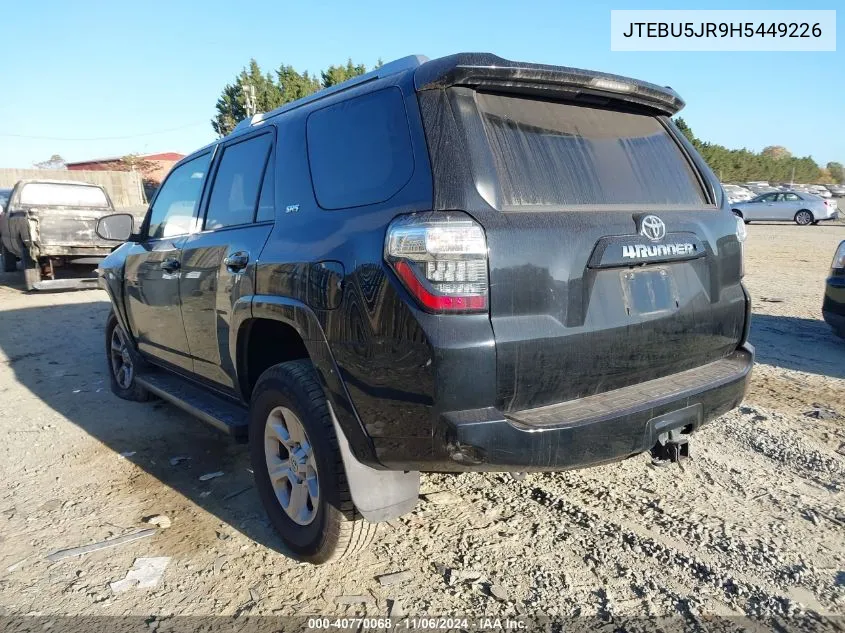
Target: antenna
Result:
[249, 99]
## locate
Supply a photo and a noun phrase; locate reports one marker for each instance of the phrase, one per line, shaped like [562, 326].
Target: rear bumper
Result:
[603, 428]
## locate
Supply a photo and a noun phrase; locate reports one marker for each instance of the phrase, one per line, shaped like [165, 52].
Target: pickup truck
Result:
[51, 223]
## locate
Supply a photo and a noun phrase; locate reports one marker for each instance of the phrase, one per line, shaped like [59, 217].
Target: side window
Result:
[234, 194]
[770, 197]
[173, 211]
[791, 197]
[266, 201]
[359, 150]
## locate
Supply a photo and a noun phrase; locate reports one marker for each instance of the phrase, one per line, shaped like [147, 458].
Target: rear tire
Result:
[31, 270]
[123, 363]
[804, 218]
[308, 499]
[10, 262]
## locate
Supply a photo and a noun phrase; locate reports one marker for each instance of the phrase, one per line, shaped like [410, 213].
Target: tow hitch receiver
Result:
[672, 446]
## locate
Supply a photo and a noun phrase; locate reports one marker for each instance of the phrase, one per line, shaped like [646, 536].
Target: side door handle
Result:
[236, 262]
[170, 265]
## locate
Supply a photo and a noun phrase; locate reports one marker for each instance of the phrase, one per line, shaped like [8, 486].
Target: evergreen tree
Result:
[273, 91]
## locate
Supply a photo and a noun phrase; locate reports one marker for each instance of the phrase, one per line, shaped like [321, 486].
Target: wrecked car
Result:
[51, 223]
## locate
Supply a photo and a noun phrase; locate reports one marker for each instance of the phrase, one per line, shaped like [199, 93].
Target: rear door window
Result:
[234, 195]
[359, 150]
[550, 155]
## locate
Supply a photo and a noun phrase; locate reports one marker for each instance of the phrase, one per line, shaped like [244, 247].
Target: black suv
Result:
[464, 264]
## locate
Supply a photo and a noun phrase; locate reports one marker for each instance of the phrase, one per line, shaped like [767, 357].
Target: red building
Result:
[159, 165]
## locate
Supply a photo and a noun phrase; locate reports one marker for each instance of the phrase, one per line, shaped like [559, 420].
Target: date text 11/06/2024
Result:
[418, 624]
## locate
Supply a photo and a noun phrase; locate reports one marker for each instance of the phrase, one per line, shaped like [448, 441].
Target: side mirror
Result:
[116, 227]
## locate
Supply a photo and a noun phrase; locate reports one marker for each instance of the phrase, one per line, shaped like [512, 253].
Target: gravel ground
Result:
[753, 523]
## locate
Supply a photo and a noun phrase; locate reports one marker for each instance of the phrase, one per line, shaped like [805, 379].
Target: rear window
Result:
[359, 150]
[557, 155]
[55, 195]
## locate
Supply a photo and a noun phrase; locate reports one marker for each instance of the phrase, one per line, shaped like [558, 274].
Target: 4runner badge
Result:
[643, 251]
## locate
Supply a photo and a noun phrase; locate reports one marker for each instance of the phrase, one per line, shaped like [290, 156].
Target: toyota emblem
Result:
[653, 228]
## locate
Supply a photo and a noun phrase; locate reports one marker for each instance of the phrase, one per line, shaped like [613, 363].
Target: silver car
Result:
[790, 206]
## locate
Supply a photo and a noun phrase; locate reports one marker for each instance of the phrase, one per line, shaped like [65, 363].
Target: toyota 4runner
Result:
[464, 264]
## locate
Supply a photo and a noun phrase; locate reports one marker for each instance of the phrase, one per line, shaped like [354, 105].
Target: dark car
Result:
[4, 201]
[50, 223]
[4, 198]
[833, 307]
[465, 264]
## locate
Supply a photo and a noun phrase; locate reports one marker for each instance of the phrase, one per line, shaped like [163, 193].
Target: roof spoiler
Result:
[483, 70]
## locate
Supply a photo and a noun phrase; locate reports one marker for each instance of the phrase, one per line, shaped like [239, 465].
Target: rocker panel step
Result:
[84, 283]
[220, 413]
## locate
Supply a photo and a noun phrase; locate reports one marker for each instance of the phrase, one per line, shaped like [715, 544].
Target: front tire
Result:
[804, 218]
[123, 363]
[10, 262]
[298, 468]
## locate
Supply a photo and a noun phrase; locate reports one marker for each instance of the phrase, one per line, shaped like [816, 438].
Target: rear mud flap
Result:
[379, 495]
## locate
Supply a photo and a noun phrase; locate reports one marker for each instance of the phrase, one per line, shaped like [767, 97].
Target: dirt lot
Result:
[754, 523]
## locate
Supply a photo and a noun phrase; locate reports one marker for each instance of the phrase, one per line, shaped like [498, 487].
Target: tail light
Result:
[441, 258]
[838, 262]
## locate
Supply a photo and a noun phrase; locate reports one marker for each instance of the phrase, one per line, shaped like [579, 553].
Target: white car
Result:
[791, 206]
[821, 192]
[735, 193]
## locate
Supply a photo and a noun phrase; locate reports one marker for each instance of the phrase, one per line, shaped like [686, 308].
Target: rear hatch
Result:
[610, 260]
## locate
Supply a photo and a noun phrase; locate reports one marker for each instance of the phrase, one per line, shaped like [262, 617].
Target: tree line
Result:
[774, 164]
[268, 90]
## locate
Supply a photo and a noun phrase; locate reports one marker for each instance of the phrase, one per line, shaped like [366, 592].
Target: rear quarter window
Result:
[359, 150]
[556, 155]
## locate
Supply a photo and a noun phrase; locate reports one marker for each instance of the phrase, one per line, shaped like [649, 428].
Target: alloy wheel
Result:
[121, 361]
[291, 465]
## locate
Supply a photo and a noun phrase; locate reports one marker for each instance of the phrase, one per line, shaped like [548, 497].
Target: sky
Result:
[90, 79]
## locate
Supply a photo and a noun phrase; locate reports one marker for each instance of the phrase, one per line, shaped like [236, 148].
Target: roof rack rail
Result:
[391, 68]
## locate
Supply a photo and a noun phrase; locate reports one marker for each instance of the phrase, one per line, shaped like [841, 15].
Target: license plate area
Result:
[649, 291]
